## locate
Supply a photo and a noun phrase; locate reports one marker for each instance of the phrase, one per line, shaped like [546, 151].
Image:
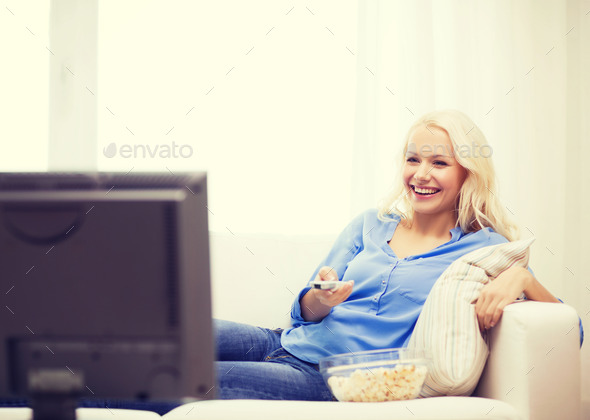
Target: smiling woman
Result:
[447, 178]
[440, 193]
[386, 264]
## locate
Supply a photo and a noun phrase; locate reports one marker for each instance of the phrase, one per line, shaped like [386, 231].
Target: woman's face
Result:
[432, 176]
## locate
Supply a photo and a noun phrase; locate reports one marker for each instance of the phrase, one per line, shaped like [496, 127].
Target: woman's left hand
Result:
[499, 293]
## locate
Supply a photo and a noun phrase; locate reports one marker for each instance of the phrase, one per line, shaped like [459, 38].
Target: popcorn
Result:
[402, 382]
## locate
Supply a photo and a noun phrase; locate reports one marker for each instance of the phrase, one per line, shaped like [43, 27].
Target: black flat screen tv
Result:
[105, 278]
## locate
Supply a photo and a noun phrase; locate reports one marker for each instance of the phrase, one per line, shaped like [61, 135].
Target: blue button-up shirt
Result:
[388, 294]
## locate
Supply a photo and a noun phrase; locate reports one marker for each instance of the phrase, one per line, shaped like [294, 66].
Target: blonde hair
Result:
[478, 205]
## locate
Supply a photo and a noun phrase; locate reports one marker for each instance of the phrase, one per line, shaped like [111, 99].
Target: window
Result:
[24, 83]
[260, 95]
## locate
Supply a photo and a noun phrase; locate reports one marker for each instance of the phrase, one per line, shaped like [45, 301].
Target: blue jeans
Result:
[253, 365]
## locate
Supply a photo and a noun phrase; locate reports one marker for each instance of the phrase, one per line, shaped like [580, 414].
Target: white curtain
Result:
[521, 71]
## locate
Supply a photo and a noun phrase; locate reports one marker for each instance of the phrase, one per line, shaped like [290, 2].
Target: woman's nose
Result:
[423, 172]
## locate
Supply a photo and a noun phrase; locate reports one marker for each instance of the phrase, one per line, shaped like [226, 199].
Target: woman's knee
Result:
[243, 342]
[264, 380]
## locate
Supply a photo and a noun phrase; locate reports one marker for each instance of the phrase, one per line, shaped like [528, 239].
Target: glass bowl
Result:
[376, 375]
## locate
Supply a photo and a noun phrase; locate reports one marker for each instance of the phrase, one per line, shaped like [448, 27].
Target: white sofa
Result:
[533, 371]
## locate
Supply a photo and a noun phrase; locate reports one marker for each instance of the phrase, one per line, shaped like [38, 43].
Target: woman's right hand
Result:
[317, 304]
[332, 297]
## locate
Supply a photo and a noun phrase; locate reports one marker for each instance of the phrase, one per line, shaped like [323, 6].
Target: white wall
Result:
[282, 264]
[261, 92]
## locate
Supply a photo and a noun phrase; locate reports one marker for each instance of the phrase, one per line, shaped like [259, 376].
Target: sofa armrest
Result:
[534, 362]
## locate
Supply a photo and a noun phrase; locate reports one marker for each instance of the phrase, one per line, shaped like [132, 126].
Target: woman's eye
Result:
[440, 163]
[411, 159]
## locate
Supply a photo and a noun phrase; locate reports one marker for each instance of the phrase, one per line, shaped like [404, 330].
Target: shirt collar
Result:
[456, 234]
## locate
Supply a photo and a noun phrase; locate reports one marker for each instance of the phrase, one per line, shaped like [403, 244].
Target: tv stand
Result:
[54, 393]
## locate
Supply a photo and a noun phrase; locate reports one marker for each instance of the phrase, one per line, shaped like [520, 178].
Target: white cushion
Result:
[448, 326]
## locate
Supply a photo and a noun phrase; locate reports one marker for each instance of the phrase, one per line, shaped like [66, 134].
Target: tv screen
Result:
[105, 279]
